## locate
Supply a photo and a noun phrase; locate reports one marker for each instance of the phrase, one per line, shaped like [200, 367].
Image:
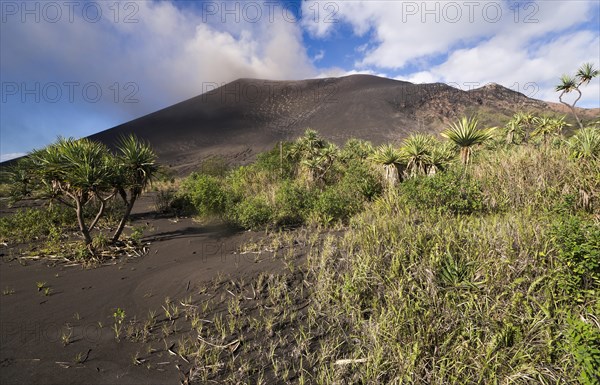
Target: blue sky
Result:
[76, 68]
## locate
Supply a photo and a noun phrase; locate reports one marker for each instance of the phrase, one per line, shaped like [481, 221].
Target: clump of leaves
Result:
[583, 342]
[578, 244]
[451, 192]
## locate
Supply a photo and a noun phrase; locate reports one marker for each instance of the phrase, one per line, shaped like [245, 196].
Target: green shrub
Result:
[334, 205]
[291, 203]
[216, 166]
[163, 201]
[252, 213]
[274, 164]
[583, 342]
[356, 149]
[181, 205]
[6, 190]
[449, 192]
[578, 245]
[100, 242]
[205, 194]
[33, 224]
[361, 180]
[245, 181]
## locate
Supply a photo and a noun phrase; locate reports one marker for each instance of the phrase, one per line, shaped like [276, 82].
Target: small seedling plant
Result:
[119, 317]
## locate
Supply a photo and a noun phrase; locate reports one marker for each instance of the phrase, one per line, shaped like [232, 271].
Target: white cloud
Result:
[526, 48]
[319, 56]
[404, 30]
[335, 72]
[534, 73]
[419, 77]
[168, 52]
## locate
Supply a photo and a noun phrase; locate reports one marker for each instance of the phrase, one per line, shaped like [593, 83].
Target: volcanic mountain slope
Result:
[249, 115]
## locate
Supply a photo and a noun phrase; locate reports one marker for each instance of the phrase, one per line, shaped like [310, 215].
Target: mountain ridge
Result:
[247, 116]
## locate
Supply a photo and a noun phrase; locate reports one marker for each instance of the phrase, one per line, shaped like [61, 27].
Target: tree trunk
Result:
[281, 159]
[80, 220]
[101, 210]
[572, 106]
[391, 174]
[465, 153]
[510, 137]
[98, 215]
[125, 218]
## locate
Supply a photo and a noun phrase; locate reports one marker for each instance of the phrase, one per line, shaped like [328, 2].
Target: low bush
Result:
[578, 244]
[334, 205]
[205, 194]
[247, 181]
[216, 166]
[34, 224]
[583, 342]
[163, 201]
[276, 162]
[450, 192]
[361, 179]
[292, 202]
[252, 213]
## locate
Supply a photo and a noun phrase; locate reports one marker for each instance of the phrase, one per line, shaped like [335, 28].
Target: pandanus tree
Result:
[81, 172]
[547, 126]
[389, 158]
[356, 149]
[314, 154]
[585, 144]
[518, 127]
[307, 146]
[569, 84]
[136, 168]
[524, 123]
[466, 134]
[440, 157]
[425, 155]
[513, 131]
[20, 176]
[416, 153]
[78, 172]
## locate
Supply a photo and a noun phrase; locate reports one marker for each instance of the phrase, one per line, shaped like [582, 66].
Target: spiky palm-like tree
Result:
[19, 176]
[526, 122]
[547, 126]
[79, 169]
[519, 127]
[569, 83]
[544, 127]
[585, 144]
[513, 130]
[466, 134]
[356, 149]
[440, 157]
[524, 119]
[416, 153]
[389, 158]
[315, 154]
[320, 162]
[308, 145]
[137, 167]
[586, 73]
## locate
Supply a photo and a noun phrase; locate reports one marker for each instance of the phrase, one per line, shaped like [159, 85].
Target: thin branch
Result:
[98, 215]
[101, 210]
